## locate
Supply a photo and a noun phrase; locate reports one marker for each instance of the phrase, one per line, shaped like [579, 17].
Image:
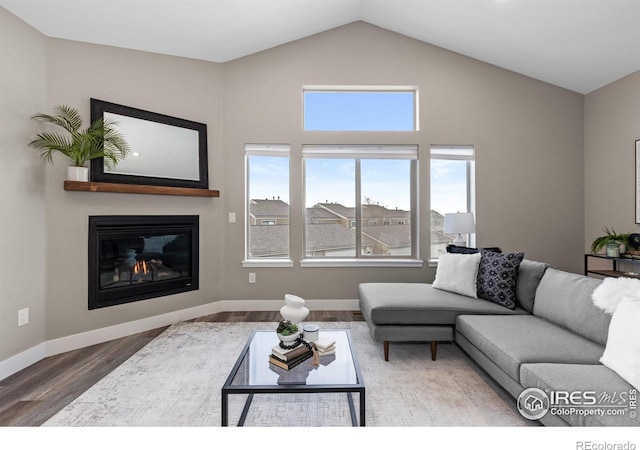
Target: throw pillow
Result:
[468, 250]
[458, 273]
[612, 291]
[622, 353]
[497, 277]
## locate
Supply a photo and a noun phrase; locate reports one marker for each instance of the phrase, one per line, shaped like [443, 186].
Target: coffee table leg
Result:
[363, 414]
[225, 409]
[352, 409]
[245, 410]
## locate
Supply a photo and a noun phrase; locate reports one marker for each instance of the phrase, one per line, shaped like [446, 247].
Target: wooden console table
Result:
[137, 189]
[614, 264]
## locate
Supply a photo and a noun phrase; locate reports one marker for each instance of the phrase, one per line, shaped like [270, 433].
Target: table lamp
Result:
[459, 223]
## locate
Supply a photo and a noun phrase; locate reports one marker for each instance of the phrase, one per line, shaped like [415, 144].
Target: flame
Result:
[140, 266]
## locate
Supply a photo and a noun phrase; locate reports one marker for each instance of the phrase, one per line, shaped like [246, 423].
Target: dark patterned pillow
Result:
[460, 249]
[497, 277]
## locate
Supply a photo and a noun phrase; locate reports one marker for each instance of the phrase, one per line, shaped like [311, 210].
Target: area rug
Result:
[176, 381]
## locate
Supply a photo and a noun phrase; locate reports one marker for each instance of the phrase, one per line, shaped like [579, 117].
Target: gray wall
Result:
[528, 137]
[178, 87]
[23, 220]
[527, 134]
[612, 125]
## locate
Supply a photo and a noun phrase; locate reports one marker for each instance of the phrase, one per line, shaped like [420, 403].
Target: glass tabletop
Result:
[256, 370]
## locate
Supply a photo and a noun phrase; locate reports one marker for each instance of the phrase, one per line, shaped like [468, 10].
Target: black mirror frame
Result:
[99, 107]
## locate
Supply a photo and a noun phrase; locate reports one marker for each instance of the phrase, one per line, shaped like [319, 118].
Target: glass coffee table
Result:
[253, 374]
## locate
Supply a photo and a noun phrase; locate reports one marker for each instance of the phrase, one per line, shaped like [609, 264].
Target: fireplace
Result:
[135, 258]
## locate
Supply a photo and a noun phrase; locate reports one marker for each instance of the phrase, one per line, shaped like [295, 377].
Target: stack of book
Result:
[325, 347]
[288, 359]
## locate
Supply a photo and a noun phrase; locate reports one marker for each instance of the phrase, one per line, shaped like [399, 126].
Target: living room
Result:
[554, 167]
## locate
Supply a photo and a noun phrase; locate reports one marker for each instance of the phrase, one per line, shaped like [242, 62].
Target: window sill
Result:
[267, 263]
[361, 262]
[433, 263]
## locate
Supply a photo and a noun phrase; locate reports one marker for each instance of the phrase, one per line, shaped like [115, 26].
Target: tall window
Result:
[452, 190]
[360, 201]
[365, 109]
[267, 174]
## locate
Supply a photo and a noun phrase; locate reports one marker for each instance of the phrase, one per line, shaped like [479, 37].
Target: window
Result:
[360, 201]
[366, 109]
[452, 190]
[267, 227]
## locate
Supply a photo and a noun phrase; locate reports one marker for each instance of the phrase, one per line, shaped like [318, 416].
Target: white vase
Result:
[294, 309]
[75, 173]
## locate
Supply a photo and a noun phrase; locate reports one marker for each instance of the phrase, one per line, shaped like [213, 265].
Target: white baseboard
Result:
[275, 305]
[73, 342]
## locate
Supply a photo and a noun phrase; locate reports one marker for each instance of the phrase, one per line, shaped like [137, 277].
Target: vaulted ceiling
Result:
[580, 45]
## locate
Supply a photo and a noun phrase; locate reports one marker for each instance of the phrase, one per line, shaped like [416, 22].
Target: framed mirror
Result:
[638, 181]
[164, 150]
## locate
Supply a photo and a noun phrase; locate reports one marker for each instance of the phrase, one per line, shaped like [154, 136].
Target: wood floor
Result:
[31, 396]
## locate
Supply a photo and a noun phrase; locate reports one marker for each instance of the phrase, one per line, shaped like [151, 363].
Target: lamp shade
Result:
[459, 223]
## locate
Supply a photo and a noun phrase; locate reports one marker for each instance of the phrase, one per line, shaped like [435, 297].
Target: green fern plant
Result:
[610, 237]
[99, 140]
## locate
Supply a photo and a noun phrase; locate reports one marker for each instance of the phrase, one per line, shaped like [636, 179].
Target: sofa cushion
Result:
[420, 304]
[565, 299]
[529, 275]
[581, 377]
[497, 277]
[458, 273]
[512, 341]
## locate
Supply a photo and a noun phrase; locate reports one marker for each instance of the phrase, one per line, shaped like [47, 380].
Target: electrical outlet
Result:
[252, 277]
[23, 316]
[232, 217]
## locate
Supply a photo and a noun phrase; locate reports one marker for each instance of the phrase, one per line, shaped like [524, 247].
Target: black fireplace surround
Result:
[134, 258]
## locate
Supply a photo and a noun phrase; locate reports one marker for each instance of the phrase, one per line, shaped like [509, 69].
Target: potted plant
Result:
[100, 140]
[612, 241]
[287, 331]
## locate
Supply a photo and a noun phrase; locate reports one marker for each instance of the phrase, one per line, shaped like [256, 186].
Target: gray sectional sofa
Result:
[552, 340]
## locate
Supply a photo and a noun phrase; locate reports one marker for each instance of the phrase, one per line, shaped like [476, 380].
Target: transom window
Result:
[365, 109]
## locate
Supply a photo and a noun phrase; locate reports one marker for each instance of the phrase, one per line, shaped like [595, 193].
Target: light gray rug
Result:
[176, 380]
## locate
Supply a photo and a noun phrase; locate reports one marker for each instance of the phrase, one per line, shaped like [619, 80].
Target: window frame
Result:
[358, 153]
[272, 150]
[455, 153]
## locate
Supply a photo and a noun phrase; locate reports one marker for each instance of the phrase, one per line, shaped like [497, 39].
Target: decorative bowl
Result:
[287, 339]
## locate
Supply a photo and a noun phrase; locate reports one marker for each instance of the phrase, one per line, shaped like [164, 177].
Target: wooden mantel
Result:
[137, 189]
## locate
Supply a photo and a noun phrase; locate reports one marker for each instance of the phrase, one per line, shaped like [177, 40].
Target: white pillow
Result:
[457, 272]
[622, 353]
[612, 291]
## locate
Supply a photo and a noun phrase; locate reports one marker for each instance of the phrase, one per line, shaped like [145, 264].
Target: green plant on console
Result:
[286, 328]
[610, 237]
[98, 140]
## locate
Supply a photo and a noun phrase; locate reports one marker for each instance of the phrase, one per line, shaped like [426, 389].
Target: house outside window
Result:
[452, 190]
[267, 224]
[366, 197]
